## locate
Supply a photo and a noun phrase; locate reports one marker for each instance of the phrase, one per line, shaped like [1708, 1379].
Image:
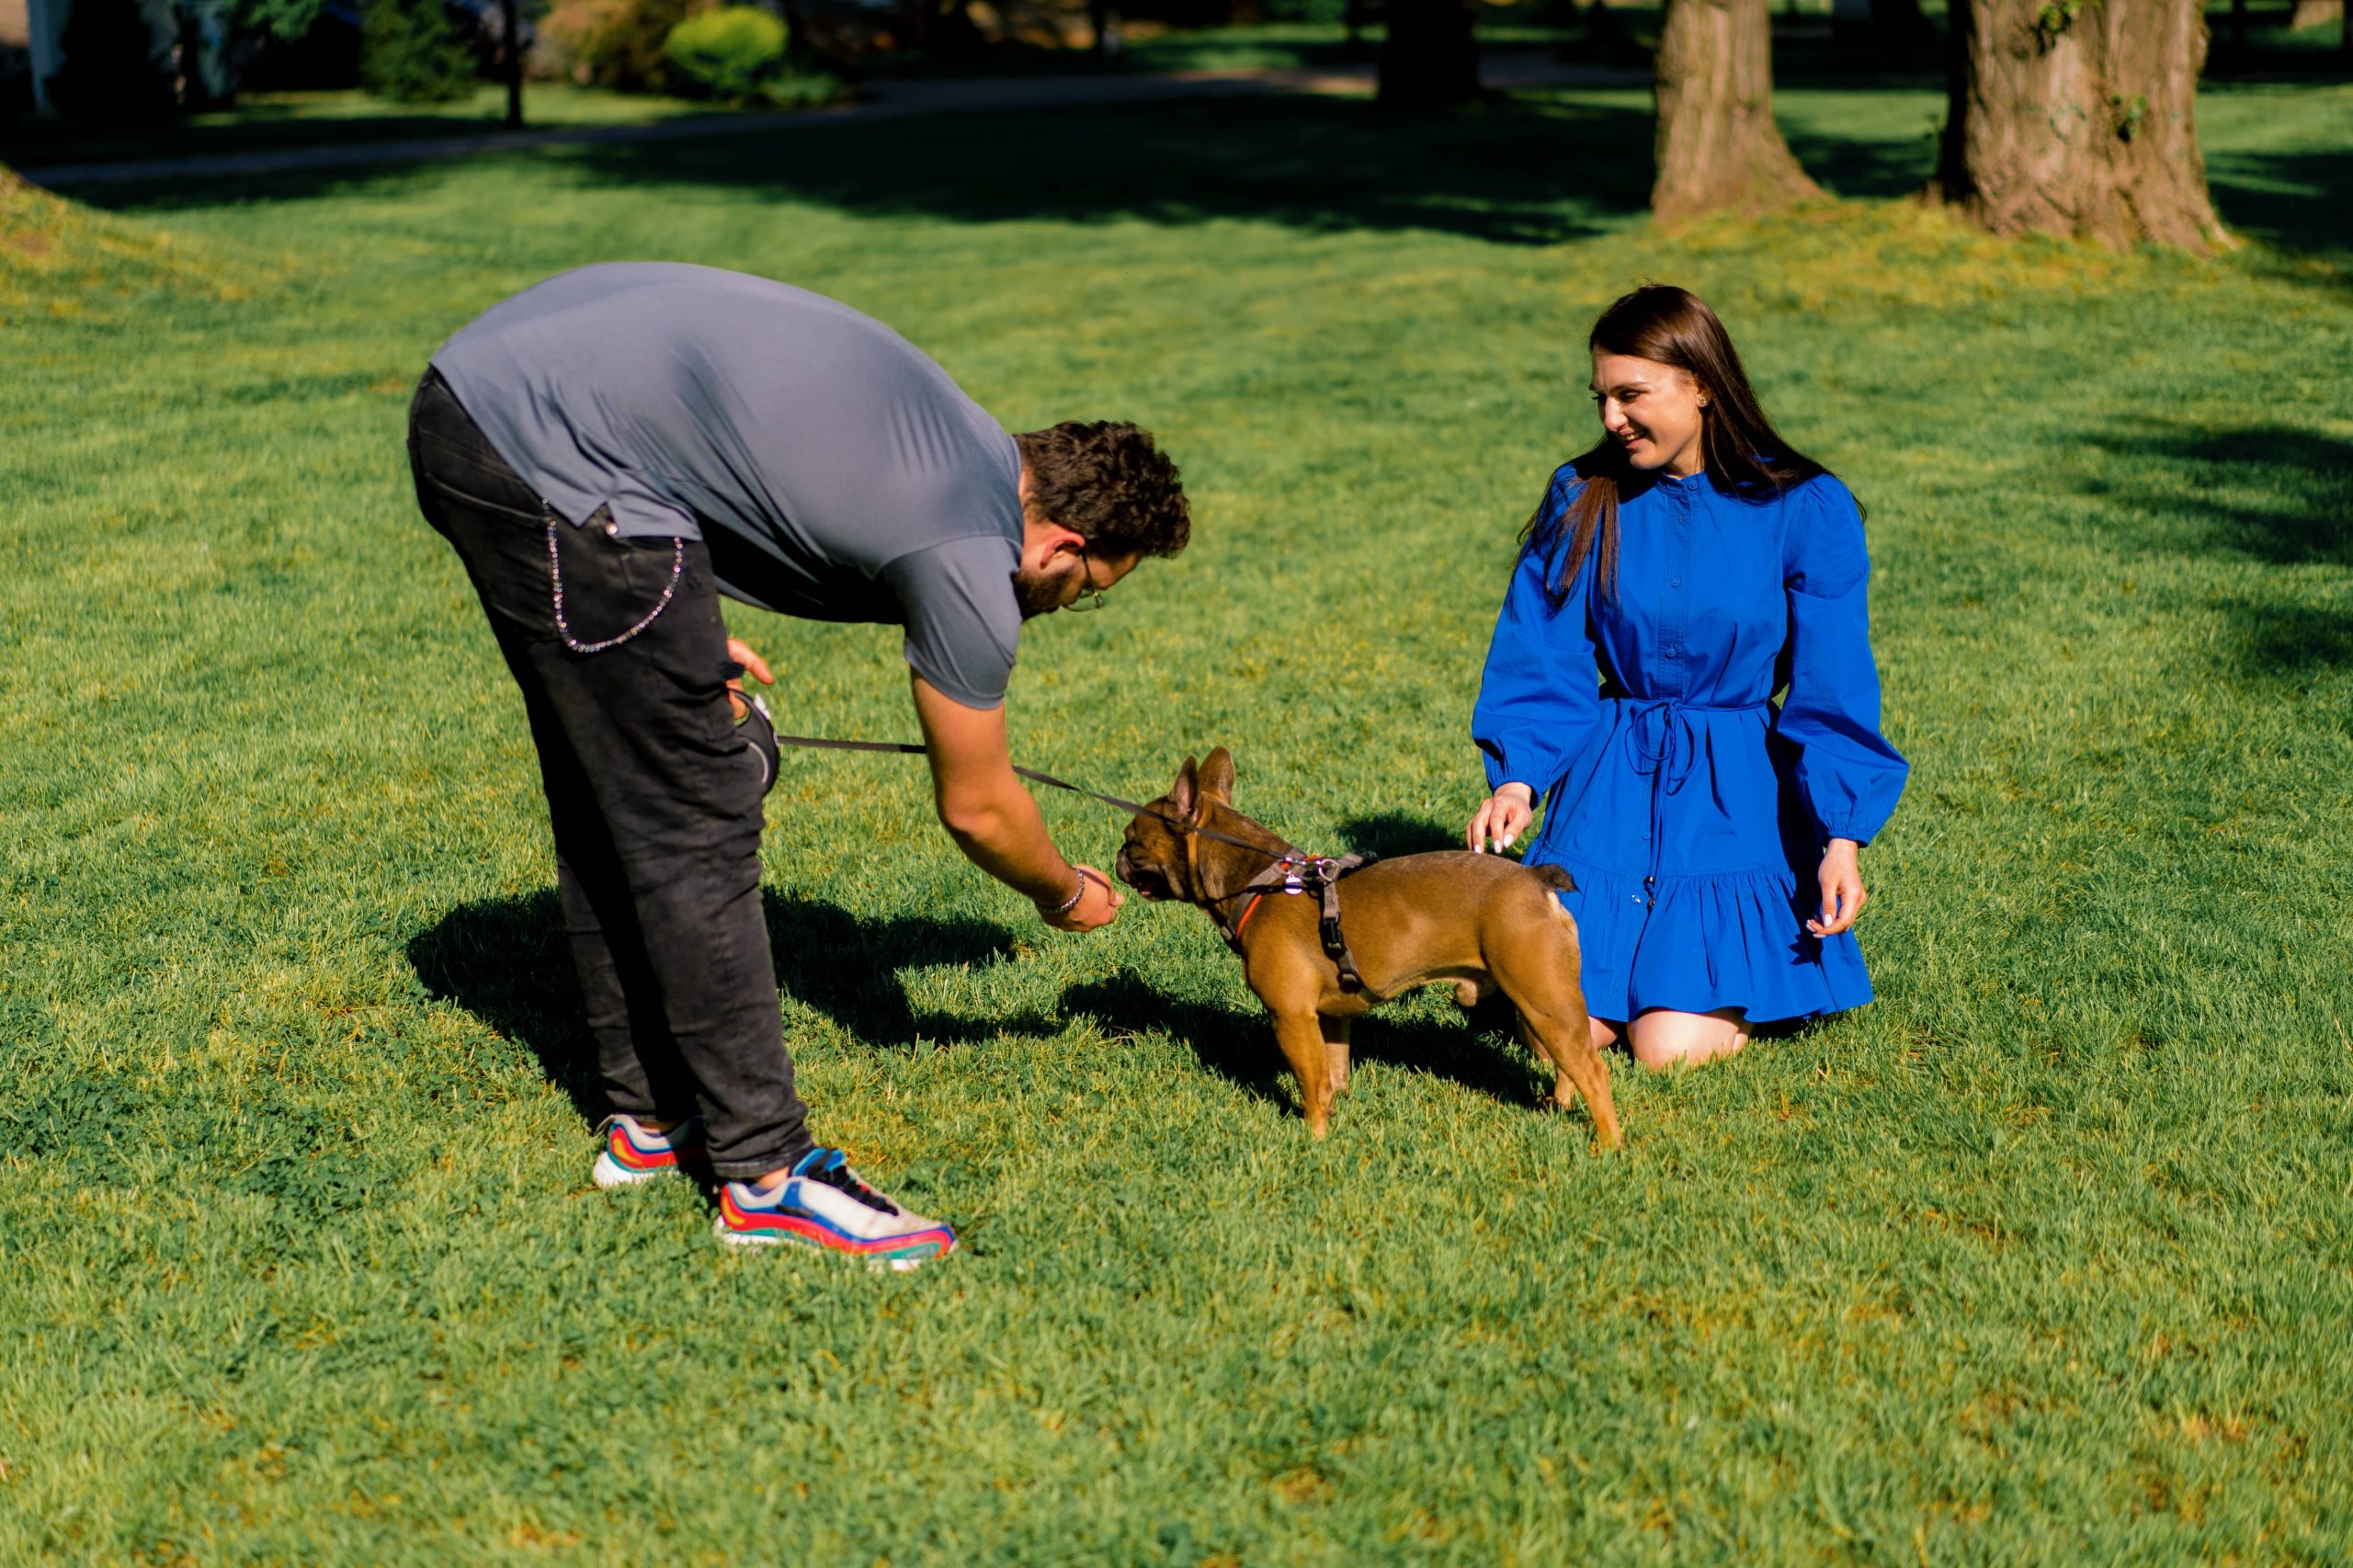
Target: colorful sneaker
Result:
[822, 1204]
[635, 1153]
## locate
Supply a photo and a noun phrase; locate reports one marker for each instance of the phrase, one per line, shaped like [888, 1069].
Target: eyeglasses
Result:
[1086, 565]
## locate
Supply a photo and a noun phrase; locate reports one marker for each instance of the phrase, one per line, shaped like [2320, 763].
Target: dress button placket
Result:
[1676, 626]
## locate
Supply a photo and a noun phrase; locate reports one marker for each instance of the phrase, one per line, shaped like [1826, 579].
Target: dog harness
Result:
[1289, 875]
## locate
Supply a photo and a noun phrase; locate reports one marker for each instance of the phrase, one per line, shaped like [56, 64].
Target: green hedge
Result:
[730, 54]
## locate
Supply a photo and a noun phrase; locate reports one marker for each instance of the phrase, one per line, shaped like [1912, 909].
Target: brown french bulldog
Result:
[1474, 920]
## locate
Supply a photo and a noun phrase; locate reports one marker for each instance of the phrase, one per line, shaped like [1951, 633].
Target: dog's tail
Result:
[1554, 877]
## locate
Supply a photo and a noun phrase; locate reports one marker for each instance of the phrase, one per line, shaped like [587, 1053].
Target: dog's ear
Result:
[1186, 793]
[1217, 775]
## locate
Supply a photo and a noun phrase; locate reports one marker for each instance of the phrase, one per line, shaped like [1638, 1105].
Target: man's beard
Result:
[1037, 595]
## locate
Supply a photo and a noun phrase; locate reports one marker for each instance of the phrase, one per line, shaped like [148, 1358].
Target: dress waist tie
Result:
[1663, 742]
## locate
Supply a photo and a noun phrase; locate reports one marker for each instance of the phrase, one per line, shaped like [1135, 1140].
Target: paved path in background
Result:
[882, 100]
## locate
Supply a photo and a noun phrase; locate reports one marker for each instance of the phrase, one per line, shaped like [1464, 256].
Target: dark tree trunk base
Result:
[1430, 59]
[1718, 147]
[2080, 124]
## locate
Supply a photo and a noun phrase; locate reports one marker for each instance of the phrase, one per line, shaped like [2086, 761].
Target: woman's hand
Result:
[1842, 889]
[1501, 819]
[740, 652]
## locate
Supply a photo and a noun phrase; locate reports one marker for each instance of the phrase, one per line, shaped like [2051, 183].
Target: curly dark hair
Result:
[1109, 483]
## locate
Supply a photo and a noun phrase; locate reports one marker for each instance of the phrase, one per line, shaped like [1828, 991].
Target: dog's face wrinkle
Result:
[1151, 857]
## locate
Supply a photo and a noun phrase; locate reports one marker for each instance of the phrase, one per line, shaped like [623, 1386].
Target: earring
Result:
[1703, 400]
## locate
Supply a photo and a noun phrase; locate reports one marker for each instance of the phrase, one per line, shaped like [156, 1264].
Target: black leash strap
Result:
[902, 748]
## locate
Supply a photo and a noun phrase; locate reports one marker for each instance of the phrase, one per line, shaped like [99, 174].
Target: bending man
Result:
[612, 450]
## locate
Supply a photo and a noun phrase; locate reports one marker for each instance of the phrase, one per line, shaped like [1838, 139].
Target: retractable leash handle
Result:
[757, 726]
[758, 729]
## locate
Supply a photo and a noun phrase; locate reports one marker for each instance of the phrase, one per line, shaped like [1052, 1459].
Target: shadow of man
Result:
[508, 962]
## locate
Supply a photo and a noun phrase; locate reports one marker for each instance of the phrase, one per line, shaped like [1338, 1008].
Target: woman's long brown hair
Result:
[1744, 455]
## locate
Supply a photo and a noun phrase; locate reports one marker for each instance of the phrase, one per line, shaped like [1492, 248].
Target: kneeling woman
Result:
[1676, 576]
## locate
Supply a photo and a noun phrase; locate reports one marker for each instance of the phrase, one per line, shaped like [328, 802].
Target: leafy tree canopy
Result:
[288, 19]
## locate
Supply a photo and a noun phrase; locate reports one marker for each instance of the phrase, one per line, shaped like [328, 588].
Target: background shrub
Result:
[730, 53]
[412, 51]
[615, 43]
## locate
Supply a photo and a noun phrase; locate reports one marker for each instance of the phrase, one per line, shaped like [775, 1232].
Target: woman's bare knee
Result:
[1663, 1039]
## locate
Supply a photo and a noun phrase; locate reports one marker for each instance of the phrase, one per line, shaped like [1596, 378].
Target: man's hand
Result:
[1097, 905]
[993, 819]
[741, 652]
[1501, 818]
[1842, 889]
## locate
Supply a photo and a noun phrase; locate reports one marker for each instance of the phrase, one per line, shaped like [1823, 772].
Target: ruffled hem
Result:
[1734, 940]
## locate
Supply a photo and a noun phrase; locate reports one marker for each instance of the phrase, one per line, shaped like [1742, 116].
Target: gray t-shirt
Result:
[832, 470]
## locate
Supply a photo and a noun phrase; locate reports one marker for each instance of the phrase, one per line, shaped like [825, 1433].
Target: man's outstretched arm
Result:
[991, 817]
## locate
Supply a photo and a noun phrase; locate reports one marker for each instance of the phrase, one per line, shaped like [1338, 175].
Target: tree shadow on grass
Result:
[2289, 641]
[1860, 168]
[2267, 493]
[2278, 495]
[2295, 199]
[508, 961]
[1520, 171]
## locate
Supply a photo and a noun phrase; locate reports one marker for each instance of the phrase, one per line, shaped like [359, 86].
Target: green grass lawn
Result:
[2047, 1256]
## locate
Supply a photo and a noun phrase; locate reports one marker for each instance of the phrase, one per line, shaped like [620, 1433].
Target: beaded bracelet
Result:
[1066, 906]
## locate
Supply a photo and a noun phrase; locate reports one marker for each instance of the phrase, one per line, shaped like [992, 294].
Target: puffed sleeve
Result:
[1539, 694]
[1847, 773]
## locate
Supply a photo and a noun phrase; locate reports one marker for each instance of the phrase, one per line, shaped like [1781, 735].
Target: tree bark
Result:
[1718, 147]
[1430, 59]
[2077, 117]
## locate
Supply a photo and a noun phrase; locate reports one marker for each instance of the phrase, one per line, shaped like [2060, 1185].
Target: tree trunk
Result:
[2315, 13]
[2079, 119]
[1718, 147]
[1430, 59]
[1102, 24]
[510, 16]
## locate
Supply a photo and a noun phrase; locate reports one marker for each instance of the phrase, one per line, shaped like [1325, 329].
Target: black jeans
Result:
[654, 793]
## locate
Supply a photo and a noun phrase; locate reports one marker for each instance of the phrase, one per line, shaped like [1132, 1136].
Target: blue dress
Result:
[1691, 812]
